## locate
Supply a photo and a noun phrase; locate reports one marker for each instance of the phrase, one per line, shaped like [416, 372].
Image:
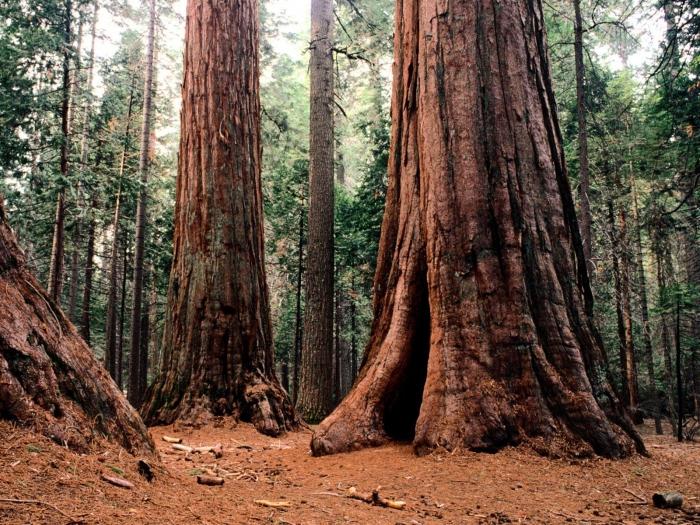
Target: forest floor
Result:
[513, 486]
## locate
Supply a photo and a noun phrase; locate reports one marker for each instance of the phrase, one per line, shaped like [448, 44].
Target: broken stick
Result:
[211, 481]
[273, 504]
[376, 499]
[117, 482]
[169, 439]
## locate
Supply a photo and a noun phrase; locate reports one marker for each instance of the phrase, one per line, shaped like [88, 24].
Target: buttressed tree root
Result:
[49, 377]
[482, 334]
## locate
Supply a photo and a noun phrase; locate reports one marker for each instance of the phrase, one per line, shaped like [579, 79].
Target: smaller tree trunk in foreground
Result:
[49, 378]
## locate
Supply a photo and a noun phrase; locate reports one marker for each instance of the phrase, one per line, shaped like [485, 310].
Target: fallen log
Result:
[169, 439]
[182, 448]
[117, 482]
[375, 499]
[668, 500]
[211, 481]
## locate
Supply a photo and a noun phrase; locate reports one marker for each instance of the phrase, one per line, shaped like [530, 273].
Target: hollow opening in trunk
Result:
[403, 398]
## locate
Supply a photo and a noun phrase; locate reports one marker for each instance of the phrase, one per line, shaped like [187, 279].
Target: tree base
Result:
[260, 402]
[49, 378]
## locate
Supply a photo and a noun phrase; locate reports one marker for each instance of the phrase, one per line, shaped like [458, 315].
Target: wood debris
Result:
[668, 500]
[169, 439]
[211, 481]
[375, 499]
[273, 504]
[117, 482]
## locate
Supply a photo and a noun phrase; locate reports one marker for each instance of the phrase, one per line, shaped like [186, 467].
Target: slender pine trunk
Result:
[55, 283]
[111, 323]
[584, 188]
[136, 381]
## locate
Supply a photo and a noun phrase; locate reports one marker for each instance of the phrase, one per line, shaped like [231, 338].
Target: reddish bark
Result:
[49, 378]
[217, 345]
[482, 335]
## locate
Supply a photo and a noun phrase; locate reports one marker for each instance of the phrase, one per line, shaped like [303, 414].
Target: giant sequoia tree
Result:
[482, 334]
[217, 345]
[49, 378]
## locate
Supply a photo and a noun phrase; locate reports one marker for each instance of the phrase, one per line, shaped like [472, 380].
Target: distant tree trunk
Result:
[75, 243]
[584, 189]
[337, 357]
[90, 250]
[217, 345]
[136, 381]
[483, 334]
[679, 372]
[662, 284]
[58, 244]
[340, 169]
[692, 268]
[111, 323]
[49, 379]
[298, 327]
[154, 352]
[644, 303]
[119, 365]
[316, 383]
[85, 324]
[630, 367]
[621, 334]
[353, 334]
[74, 274]
[143, 350]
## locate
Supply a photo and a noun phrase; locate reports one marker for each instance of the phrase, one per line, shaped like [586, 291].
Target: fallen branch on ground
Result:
[169, 439]
[273, 504]
[376, 499]
[211, 481]
[216, 450]
[117, 482]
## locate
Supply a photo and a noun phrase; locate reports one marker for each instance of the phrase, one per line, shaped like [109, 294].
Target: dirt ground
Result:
[513, 486]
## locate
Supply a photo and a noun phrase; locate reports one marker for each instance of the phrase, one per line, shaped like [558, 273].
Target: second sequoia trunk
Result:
[217, 345]
[482, 335]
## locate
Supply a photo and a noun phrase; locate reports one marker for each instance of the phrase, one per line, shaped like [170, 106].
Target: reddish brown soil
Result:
[513, 486]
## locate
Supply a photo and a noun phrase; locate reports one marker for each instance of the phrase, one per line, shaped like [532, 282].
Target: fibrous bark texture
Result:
[315, 396]
[49, 378]
[482, 335]
[217, 344]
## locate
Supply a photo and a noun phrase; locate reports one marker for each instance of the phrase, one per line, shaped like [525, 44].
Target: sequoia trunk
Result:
[49, 378]
[315, 399]
[217, 345]
[482, 334]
